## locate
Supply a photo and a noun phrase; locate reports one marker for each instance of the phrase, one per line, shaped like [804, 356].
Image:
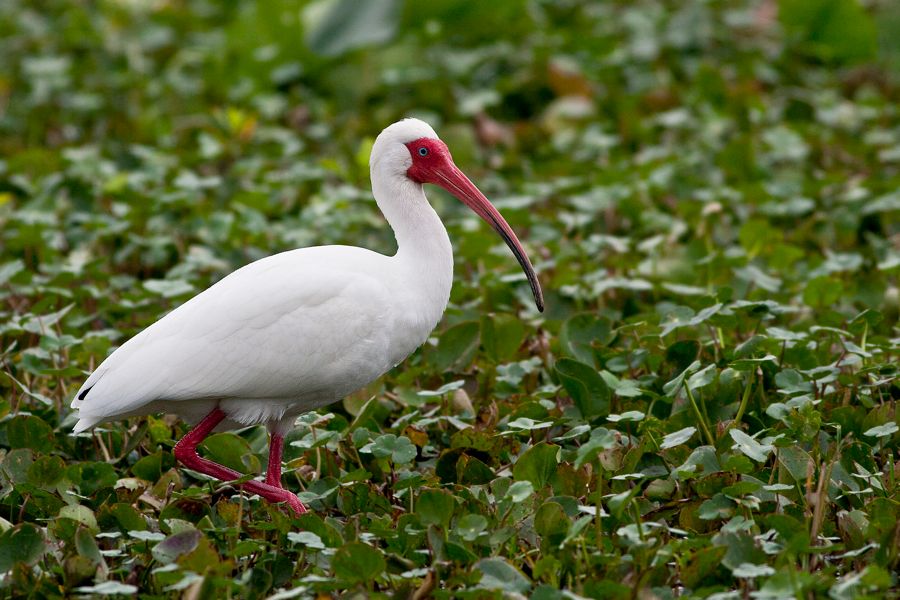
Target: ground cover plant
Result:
[709, 190]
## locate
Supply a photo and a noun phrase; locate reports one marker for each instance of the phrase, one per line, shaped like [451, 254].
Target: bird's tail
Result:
[85, 423]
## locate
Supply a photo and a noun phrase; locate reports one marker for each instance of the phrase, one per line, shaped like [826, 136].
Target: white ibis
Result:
[301, 329]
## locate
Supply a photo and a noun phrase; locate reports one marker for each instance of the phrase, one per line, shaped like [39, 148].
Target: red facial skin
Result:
[432, 163]
[424, 167]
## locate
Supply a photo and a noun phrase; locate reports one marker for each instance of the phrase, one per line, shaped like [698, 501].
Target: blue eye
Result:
[423, 151]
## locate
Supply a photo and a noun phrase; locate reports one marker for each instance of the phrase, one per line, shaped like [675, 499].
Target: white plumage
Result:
[303, 328]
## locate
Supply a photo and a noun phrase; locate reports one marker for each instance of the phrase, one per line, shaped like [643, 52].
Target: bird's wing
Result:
[276, 327]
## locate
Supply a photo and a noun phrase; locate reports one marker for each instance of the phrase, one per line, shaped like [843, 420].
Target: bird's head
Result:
[417, 153]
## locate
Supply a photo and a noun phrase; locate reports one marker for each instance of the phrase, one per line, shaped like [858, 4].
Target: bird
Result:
[303, 328]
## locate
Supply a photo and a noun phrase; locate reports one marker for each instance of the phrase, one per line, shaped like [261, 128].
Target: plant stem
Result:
[743, 407]
[700, 420]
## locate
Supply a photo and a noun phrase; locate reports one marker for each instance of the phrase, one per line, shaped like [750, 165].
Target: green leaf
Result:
[152, 466]
[751, 571]
[601, 439]
[109, 588]
[356, 561]
[435, 507]
[839, 30]
[306, 538]
[581, 333]
[822, 292]
[790, 381]
[23, 543]
[81, 514]
[470, 526]
[230, 450]
[169, 288]
[46, 471]
[334, 27]
[631, 415]
[885, 430]
[672, 387]
[399, 449]
[750, 447]
[586, 387]
[676, 438]
[717, 507]
[444, 389]
[86, 545]
[28, 431]
[501, 336]
[537, 464]
[683, 353]
[703, 377]
[177, 545]
[92, 476]
[456, 347]
[10, 269]
[520, 491]
[497, 574]
[551, 523]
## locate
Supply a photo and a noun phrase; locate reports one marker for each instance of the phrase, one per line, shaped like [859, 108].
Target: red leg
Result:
[273, 472]
[186, 452]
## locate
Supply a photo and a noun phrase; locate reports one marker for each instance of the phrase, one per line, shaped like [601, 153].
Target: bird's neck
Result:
[424, 255]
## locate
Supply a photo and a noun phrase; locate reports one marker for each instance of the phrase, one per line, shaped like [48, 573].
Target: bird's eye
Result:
[423, 151]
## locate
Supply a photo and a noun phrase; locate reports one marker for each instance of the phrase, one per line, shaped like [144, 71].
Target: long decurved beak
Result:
[449, 177]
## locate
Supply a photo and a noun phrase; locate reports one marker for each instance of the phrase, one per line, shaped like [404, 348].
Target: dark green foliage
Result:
[709, 191]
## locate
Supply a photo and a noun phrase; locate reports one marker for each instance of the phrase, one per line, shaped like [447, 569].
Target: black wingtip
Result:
[82, 395]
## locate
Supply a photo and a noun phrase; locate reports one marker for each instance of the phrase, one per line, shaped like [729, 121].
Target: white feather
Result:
[293, 331]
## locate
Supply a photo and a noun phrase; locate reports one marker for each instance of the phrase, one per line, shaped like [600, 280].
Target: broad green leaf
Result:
[631, 415]
[750, 571]
[358, 562]
[717, 507]
[581, 333]
[838, 30]
[109, 588]
[435, 507]
[28, 431]
[672, 388]
[470, 526]
[601, 439]
[399, 449]
[885, 430]
[750, 447]
[456, 347]
[520, 491]
[551, 523]
[177, 545]
[501, 336]
[497, 574]
[169, 288]
[537, 464]
[703, 377]
[676, 438]
[334, 27]
[230, 450]
[24, 543]
[306, 538]
[586, 387]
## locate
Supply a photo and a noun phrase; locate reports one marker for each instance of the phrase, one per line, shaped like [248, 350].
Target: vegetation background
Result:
[710, 190]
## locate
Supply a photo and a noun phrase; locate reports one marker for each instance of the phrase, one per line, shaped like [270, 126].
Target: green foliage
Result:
[707, 189]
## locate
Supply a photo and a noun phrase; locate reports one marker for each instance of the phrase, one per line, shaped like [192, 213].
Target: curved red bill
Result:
[449, 177]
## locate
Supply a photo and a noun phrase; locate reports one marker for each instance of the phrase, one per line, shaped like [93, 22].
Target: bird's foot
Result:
[186, 451]
[294, 502]
[275, 495]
